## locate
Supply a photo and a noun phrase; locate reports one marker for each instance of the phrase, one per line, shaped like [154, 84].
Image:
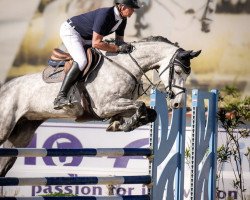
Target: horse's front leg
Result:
[115, 122]
[137, 112]
[142, 116]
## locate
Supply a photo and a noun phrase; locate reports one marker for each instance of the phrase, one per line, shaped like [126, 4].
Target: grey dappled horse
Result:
[113, 89]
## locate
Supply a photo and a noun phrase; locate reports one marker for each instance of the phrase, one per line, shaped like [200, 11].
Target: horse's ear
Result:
[185, 54]
[194, 54]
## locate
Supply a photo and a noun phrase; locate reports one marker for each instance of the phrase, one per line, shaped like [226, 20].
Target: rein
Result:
[137, 84]
[169, 89]
[172, 63]
[154, 86]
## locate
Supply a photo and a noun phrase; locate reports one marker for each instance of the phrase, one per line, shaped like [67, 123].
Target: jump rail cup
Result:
[166, 153]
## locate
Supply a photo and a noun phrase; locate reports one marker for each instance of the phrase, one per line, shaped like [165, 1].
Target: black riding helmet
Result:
[129, 3]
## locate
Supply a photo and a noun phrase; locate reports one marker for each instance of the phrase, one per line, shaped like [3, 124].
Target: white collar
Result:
[117, 14]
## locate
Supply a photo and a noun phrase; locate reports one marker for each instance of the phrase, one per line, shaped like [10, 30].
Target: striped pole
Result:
[33, 152]
[167, 176]
[11, 181]
[134, 197]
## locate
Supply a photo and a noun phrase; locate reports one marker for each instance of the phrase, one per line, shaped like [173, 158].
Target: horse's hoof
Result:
[64, 106]
[114, 127]
[127, 127]
[58, 107]
[70, 105]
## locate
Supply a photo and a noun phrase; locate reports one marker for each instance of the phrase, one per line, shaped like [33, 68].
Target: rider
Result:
[92, 27]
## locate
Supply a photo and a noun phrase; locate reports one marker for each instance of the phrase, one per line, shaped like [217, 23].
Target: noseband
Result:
[169, 89]
[173, 62]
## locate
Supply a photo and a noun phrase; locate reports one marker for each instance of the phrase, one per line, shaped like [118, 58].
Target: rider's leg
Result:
[69, 80]
[74, 44]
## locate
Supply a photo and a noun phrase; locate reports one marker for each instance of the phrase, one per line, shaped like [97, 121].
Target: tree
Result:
[233, 115]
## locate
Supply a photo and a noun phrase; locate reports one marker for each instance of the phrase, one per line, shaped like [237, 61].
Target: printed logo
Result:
[63, 141]
[122, 162]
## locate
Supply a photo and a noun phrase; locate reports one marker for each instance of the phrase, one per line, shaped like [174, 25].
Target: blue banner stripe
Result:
[137, 179]
[11, 152]
[19, 152]
[71, 180]
[11, 181]
[137, 152]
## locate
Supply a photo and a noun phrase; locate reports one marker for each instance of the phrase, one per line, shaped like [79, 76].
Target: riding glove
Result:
[125, 48]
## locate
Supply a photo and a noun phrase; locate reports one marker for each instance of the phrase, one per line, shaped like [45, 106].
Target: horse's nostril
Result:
[176, 105]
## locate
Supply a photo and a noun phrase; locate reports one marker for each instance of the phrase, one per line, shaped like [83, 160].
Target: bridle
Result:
[173, 62]
[169, 89]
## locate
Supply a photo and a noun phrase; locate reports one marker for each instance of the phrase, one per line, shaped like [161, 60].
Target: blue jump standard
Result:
[24, 152]
[11, 181]
[134, 197]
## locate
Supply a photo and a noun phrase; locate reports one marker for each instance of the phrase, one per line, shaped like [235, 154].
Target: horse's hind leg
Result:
[7, 123]
[19, 138]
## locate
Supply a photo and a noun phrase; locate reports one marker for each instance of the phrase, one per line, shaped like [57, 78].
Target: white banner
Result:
[76, 135]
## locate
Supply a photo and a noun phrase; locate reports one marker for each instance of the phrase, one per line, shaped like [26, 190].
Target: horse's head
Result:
[174, 72]
[171, 61]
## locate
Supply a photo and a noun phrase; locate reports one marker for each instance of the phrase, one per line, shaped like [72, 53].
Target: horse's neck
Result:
[145, 57]
[153, 54]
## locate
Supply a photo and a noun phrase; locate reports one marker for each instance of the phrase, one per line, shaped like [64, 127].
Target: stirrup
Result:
[61, 102]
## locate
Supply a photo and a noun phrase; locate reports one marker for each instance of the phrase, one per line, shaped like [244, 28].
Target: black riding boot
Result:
[69, 80]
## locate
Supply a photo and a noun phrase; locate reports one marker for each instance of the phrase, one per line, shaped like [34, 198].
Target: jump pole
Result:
[166, 153]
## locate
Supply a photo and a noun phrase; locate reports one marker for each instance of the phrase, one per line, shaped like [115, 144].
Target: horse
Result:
[113, 89]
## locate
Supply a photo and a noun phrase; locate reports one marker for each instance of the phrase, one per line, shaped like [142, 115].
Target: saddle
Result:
[60, 63]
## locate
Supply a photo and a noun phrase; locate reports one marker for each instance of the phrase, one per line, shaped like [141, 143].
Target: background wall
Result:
[29, 30]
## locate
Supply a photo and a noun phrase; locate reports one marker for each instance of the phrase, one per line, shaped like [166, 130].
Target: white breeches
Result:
[74, 44]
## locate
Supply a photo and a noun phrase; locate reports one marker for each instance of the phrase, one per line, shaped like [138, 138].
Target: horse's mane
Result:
[158, 39]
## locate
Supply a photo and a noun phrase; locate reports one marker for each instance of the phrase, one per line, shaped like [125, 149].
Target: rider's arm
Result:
[99, 44]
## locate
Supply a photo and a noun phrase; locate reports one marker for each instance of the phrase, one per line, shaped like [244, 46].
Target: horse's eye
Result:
[178, 71]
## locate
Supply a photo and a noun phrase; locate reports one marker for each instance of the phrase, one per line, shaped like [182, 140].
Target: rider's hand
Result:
[125, 48]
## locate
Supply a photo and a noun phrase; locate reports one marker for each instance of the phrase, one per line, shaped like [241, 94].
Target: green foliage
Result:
[188, 156]
[233, 115]
[58, 194]
[222, 154]
[232, 102]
